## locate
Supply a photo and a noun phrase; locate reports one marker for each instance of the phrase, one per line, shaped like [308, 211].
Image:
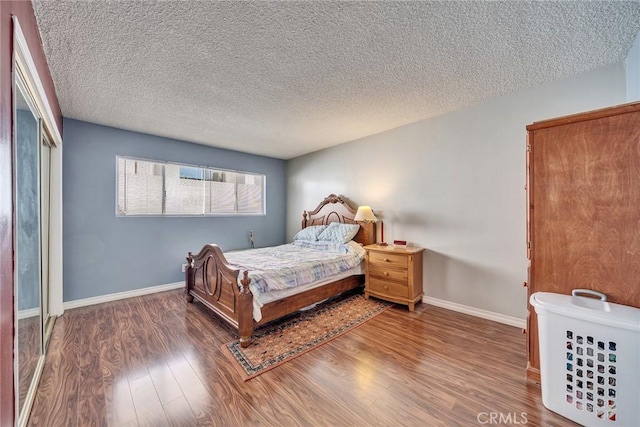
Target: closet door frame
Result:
[23, 67]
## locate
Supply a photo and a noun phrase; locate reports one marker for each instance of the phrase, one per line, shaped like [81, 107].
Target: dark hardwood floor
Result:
[156, 360]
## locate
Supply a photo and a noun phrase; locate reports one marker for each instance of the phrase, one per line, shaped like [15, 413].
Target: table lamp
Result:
[365, 214]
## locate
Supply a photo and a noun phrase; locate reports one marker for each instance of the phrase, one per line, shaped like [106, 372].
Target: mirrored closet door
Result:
[28, 243]
[32, 169]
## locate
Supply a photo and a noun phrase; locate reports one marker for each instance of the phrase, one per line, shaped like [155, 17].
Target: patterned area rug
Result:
[283, 340]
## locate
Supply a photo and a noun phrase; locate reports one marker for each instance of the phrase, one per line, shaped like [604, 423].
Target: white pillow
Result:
[339, 233]
[310, 233]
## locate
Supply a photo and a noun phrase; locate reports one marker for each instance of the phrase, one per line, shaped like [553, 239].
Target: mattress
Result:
[281, 271]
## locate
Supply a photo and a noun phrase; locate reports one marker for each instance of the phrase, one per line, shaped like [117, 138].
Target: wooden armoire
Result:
[583, 222]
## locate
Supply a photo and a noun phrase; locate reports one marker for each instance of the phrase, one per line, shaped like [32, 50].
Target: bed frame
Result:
[210, 279]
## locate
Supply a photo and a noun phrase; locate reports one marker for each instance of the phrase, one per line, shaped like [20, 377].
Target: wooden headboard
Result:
[335, 209]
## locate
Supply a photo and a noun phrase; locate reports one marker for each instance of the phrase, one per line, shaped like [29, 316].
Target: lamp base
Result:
[383, 244]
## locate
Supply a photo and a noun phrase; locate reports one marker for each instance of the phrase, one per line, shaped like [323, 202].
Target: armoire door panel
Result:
[583, 200]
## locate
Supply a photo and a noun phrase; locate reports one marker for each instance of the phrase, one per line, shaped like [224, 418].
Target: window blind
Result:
[146, 187]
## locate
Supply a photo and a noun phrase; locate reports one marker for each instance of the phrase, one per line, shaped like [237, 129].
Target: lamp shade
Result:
[365, 214]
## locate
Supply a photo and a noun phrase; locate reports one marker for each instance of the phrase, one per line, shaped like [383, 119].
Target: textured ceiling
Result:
[286, 78]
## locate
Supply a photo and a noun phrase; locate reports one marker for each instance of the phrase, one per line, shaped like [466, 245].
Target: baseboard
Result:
[121, 295]
[478, 312]
[30, 312]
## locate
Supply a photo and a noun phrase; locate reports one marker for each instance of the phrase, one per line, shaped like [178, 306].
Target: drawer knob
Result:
[386, 274]
[386, 288]
[386, 260]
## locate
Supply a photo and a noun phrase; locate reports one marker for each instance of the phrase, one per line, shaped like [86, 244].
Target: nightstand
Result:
[394, 274]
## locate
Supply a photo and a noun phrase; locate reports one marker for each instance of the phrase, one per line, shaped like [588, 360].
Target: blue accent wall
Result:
[105, 254]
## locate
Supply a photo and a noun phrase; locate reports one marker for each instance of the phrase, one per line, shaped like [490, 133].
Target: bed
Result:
[226, 289]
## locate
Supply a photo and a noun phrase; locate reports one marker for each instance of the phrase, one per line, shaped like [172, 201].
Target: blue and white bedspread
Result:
[295, 264]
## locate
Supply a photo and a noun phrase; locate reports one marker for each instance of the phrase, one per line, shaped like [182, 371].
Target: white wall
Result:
[454, 184]
[632, 66]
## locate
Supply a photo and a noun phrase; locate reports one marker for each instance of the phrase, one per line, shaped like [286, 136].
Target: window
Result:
[157, 188]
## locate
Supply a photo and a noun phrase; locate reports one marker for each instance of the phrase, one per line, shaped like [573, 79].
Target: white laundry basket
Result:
[589, 358]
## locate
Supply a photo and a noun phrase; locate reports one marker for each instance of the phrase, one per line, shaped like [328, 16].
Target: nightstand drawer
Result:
[388, 288]
[388, 259]
[388, 274]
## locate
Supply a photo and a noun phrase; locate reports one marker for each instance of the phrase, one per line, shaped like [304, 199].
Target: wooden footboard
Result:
[211, 280]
